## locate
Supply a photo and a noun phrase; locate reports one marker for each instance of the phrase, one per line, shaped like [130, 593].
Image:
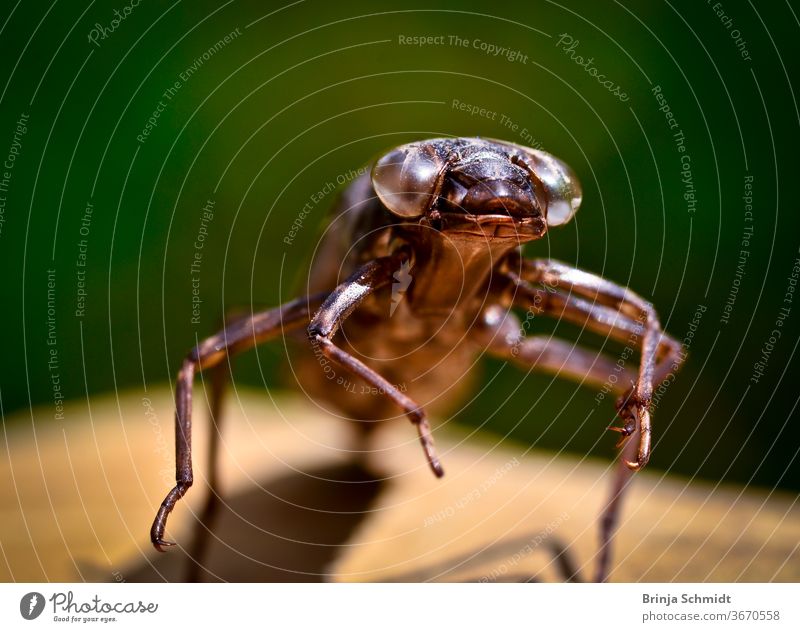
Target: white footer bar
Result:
[406, 607]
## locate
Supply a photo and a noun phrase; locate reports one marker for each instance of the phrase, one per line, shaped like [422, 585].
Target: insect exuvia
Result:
[428, 244]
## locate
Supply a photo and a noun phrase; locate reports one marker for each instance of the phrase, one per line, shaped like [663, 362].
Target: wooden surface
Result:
[77, 498]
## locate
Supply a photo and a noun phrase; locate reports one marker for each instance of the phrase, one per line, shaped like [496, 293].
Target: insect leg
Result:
[326, 322]
[499, 333]
[617, 312]
[218, 382]
[612, 310]
[240, 336]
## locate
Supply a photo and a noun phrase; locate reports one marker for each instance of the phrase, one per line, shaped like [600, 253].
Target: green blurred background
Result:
[302, 94]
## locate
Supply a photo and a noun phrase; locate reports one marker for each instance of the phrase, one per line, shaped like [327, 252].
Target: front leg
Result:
[326, 322]
[611, 310]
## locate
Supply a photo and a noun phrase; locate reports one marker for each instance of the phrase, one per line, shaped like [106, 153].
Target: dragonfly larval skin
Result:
[420, 271]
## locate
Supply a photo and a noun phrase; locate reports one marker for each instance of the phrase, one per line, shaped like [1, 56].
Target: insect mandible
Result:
[428, 242]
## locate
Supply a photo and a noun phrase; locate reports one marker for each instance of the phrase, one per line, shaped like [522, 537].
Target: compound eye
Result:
[404, 180]
[554, 179]
[561, 185]
[564, 191]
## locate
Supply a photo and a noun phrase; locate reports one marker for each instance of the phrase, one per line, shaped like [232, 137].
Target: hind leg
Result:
[235, 338]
